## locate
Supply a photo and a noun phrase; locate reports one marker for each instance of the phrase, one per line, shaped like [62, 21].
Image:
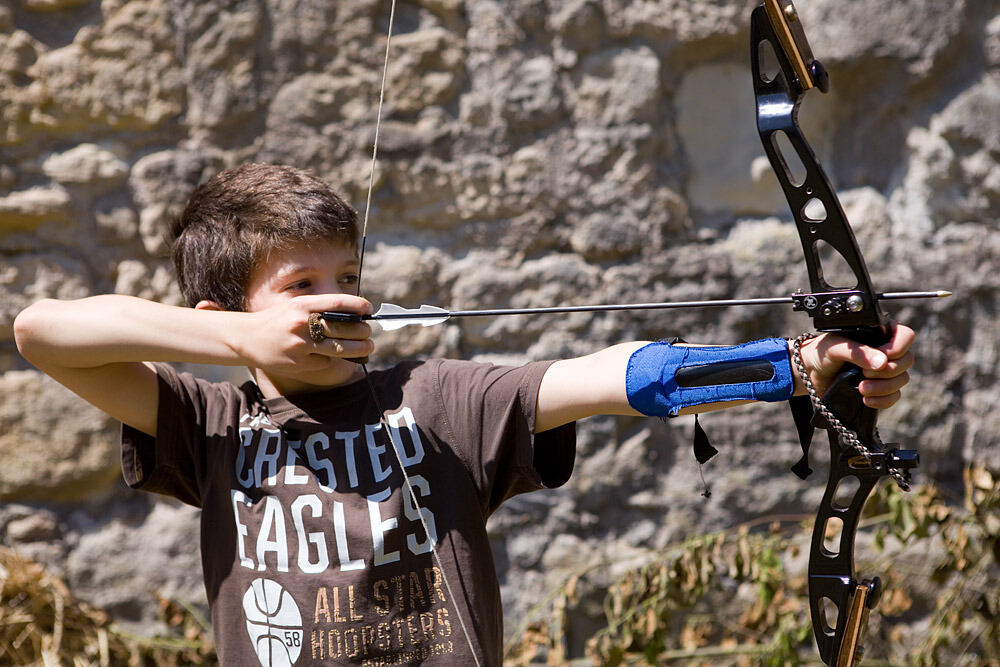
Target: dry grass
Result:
[42, 624]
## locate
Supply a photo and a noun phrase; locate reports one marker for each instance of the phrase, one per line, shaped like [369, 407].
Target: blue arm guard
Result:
[661, 378]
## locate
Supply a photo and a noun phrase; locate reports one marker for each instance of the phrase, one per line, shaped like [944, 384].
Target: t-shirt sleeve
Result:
[174, 462]
[491, 410]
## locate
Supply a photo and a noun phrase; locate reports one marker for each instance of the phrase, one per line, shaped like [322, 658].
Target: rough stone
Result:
[715, 121]
[118, 94]
[57, 448]
[104, 566]
[915, 33]
[161, 184]
[35, 527]
[428, 71]
[617, 87]
[26, 210]
[52, 5]
[154, 282]
[29, 278]
[676, 19]
[86, 163]
[531, 153]
[117, 224]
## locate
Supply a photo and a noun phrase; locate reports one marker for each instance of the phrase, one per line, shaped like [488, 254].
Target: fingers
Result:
[338, 330]
[899, 345]
[834, 350]
[885, 368]
[892, 368]
[351, 340]
[882, 387]
[331, 338]
[344, 349]
[882, 394]
[345, 339]
[887, 360]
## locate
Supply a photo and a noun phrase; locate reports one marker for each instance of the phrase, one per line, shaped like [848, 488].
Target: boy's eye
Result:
[299, 285]
[351, 279]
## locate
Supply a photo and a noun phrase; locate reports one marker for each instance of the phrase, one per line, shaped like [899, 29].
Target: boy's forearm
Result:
[100, 330]
[595, 384]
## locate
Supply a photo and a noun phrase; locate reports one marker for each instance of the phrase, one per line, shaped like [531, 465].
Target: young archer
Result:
[312, 551]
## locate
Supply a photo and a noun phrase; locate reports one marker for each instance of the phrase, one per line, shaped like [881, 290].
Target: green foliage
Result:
[727, 598]
[965, 539]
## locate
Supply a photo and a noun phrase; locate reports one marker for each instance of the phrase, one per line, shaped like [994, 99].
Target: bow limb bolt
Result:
[839, 604]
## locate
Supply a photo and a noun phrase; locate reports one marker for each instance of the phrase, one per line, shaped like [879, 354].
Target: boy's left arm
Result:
[595, 384]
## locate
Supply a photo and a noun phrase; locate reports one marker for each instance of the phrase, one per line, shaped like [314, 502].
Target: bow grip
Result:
[844, 400]
[843, 397]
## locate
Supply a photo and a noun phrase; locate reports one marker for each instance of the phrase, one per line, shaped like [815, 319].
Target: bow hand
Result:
[883, 370]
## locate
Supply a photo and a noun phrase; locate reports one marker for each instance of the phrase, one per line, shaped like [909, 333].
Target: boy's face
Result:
[306, 268]
[316, 267]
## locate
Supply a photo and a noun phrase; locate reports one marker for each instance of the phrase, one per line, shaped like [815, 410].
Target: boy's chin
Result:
[340, 372]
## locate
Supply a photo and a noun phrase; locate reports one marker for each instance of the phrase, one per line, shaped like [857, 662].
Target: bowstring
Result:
[378, 126]
[383, 421]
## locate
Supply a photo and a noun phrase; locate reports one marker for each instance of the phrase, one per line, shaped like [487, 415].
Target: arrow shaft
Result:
[663, 305]
[610, 307]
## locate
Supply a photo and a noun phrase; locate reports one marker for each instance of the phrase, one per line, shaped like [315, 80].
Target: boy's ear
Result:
[208, 305]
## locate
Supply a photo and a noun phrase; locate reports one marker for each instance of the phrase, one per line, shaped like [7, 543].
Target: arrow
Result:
[391, 316]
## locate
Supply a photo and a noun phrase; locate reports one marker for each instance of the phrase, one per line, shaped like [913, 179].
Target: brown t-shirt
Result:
[312, 551]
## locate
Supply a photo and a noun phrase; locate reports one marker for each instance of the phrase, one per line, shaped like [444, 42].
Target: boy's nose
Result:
[330, 287]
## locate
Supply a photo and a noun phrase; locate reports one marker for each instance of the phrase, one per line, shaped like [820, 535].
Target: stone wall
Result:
[532, 153]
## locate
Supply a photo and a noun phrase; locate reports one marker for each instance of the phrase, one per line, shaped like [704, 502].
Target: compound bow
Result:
[839, 604]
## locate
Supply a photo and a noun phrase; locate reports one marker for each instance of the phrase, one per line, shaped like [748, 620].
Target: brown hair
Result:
[235, 219]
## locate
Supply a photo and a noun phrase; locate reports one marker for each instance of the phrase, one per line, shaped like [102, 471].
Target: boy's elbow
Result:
[28, 325]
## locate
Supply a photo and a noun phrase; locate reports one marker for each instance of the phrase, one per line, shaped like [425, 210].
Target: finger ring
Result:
[316, 328]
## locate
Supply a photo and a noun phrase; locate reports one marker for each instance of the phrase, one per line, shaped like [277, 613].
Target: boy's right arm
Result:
[99, 347]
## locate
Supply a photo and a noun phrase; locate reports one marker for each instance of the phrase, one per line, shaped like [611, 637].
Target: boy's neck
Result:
[275, 387]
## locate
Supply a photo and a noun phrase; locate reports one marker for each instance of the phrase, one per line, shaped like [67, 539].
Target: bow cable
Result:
[431, 540]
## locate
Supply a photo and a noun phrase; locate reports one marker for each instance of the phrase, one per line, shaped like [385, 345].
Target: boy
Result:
[329, 533]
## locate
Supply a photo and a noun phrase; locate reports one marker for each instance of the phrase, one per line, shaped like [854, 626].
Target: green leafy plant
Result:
[727, 597]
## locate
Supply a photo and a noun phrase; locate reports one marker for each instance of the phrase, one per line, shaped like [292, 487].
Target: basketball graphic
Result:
[273, 622]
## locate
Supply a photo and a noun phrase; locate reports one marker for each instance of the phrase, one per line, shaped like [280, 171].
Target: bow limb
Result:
[783, 71]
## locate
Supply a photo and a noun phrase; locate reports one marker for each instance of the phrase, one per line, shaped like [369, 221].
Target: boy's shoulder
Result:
[212, 387]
